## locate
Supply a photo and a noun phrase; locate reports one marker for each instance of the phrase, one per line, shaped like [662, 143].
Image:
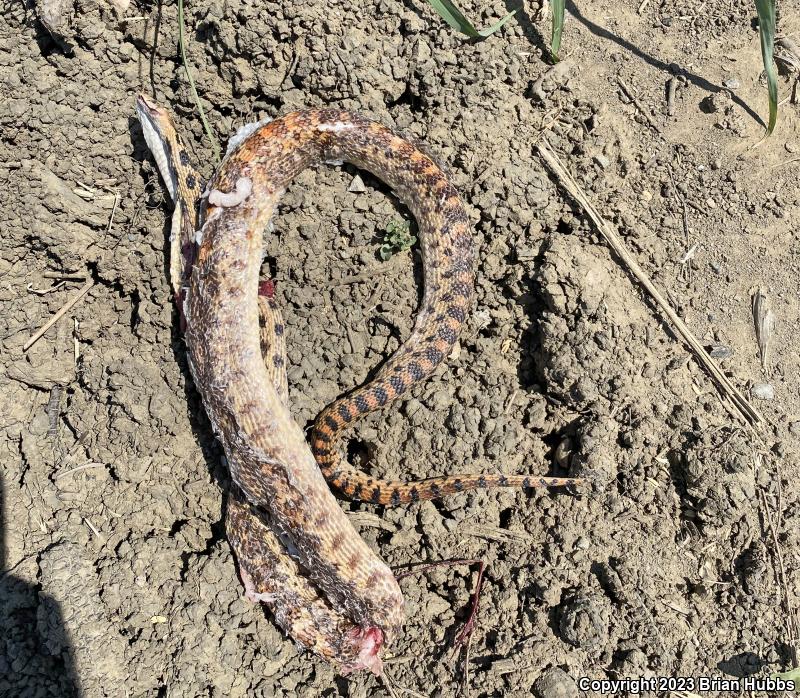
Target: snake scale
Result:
[296, 548]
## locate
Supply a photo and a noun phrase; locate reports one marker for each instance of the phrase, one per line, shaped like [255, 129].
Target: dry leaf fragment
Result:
[765, 323]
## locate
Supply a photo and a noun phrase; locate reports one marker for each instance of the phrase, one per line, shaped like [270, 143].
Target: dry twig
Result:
[59, 314]
[370, 274]
[636, 103]
[61, 276]
[791, 618]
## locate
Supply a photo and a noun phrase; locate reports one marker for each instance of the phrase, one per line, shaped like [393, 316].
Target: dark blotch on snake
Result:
[462, 289]
[448, 334]
[433, 355]
[398, 384]
[416, 371]
[344, 413]
[457, 313]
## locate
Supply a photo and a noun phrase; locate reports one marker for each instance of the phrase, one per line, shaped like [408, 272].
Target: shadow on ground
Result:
[36, 656]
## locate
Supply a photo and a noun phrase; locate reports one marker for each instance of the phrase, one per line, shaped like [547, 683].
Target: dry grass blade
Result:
[765, 323]
[497, 534]
[618, 246]
[193, 88]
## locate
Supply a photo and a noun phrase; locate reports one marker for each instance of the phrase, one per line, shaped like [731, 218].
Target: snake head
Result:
[161, 139]
[366, 644]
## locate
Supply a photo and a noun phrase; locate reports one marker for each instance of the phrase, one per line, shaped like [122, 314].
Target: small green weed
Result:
[396, 238]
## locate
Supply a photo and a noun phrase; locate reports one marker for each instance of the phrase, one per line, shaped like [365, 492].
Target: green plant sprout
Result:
[396, 238]
[453, 16]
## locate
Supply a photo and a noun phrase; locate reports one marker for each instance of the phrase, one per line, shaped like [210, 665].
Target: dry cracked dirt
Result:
[678, 560]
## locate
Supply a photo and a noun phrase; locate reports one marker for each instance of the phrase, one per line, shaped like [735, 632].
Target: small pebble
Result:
[602, 160]
[357, 185]
[720, 351]
[732, 83]
[555, 683]
[762, 391]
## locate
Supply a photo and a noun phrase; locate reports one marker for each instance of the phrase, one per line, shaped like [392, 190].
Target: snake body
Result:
[296, 548]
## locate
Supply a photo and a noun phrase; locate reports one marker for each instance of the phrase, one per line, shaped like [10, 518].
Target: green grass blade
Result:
[766, 30]
[491, 30]
[557, 7]
[453, 16]
[206, 125]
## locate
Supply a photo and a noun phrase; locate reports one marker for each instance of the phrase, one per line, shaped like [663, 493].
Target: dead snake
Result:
[296, 548]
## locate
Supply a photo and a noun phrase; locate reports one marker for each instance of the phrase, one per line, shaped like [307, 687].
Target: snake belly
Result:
[269, 573]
